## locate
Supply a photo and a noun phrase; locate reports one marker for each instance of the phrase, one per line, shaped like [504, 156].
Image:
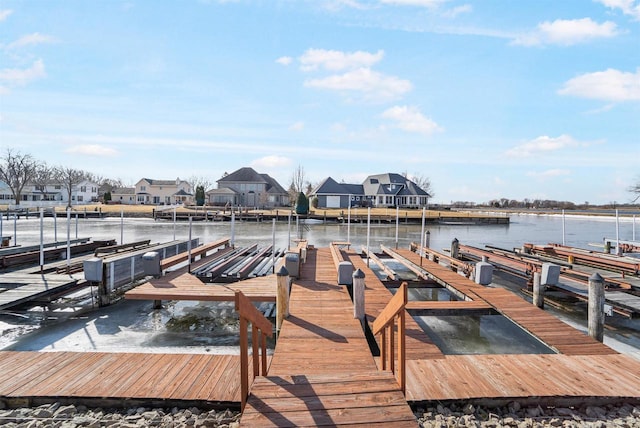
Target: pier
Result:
[325, 369]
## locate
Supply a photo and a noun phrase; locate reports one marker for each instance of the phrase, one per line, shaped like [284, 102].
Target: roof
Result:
[391, 184]
[245, 174]
[331, 187]
[272, 185]
[181, 192]
[222, 191]
[124, 191]
[154, 182]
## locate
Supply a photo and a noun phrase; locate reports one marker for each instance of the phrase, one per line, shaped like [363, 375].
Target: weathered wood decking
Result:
[120, 376]
[322, 371]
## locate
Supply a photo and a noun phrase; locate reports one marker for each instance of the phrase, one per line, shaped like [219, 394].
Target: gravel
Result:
[70, 416]
[452, 415]
[514, 415]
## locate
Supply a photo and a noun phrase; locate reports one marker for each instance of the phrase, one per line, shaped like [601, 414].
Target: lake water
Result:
[579, 231]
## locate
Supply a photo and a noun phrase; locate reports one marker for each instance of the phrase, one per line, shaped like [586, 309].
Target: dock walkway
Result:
[322, 371]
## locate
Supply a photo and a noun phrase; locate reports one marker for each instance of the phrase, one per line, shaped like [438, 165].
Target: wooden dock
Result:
[323, 372]
[169, 379]
[17, 288]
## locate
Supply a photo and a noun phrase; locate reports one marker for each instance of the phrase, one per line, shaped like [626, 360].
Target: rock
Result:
[563, 411]
[514, 407]
[555, 422]
[468, 409]
[65, 411]
[41, 413]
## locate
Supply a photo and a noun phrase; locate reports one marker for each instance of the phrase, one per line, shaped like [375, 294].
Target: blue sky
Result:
[489, 99]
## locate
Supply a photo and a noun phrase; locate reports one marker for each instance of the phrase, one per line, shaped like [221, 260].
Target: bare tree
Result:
[298, 183]
[16, 170]
[421, 181]
[69, 178]
[42, 178]
[635, 190]
[199, 180]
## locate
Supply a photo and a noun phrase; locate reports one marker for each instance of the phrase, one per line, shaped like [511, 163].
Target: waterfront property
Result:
[246, 187]
[51, 194]
[165, 192]
[381, 190]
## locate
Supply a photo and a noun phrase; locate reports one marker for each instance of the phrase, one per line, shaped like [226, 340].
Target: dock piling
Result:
[538, 291]
[596, 307]
[358, 295]
[282, 296]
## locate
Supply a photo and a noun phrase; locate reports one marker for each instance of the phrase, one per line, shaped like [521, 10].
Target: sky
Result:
[528, 99]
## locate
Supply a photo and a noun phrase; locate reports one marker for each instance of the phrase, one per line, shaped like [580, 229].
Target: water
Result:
[580, 231]
[481, 334]
[133, 325]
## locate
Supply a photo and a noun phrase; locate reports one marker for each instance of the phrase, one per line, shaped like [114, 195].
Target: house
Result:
[246, 187]
[52, 194]
[381, 190]
[162, 192]
[124, 195]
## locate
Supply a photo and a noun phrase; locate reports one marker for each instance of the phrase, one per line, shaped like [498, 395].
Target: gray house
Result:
[246, 187]
[381, 190]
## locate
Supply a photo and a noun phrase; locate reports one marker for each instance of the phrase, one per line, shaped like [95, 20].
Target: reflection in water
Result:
[482, 334]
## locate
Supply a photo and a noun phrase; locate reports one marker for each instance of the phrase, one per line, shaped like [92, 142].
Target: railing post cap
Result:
[282, 271]
[596, 277]
[455, 240]
[358, 273]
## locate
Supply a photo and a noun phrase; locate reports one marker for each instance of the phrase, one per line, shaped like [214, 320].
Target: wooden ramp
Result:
[17, 288]
[97, 375]
[322, 372]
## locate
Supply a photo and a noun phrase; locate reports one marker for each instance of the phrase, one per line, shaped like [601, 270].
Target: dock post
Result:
[538, 291]
[596, 307]
[282, 296]
[358, 295]
[455, 246]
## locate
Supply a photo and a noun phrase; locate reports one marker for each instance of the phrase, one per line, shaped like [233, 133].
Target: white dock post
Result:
[368, 232]
[68, 239]
[596, 307]
[358, 295]
[41, 239]
[282, 296]
[397, 223]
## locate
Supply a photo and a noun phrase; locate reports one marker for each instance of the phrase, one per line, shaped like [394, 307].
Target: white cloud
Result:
[284, 60]
[15, 76]
[92, 150]
[628, 7]
[4, 14]
[411, 120]
[453, 12]
[567, 32]
[333, 60]
[336, 5]
[544, 144]
[421, 3]
[269, 162]
[609, 85]
[550, 173]
[31, 39]
[372, 85]
[298, 126]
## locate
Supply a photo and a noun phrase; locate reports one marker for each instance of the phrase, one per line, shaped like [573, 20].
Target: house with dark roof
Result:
[381, 190]
[246, 187]
[163, 192]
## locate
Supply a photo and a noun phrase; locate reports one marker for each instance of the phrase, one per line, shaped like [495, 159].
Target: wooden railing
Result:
[385, 324]
[195, 252]
[336, 253]
[260, 329]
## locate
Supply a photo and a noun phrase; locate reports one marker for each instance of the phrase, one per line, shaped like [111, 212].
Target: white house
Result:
[52, 194]
[163, 192]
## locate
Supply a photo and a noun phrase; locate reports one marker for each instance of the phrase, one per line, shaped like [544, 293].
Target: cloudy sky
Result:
[489, 99]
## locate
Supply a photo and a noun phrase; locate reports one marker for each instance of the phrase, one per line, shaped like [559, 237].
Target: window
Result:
[83, 188]
[80, 199]
[57, 187]
[143, 188]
